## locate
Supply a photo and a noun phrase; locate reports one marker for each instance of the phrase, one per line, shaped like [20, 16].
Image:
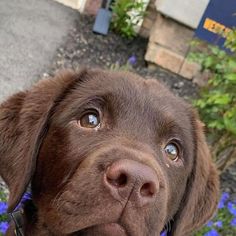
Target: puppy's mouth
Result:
[113, 229]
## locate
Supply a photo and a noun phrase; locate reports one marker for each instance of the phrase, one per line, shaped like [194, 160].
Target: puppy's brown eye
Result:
[90, 120]
[172, 151]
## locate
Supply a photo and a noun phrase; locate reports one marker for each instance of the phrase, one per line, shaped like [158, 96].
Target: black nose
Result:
[128, 179]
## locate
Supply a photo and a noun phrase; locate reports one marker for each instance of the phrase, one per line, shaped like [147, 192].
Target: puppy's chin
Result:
[113, 229]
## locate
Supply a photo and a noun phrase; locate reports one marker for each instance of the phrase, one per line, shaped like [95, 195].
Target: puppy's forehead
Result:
[126, 87]
[128, 94]
[111, 83]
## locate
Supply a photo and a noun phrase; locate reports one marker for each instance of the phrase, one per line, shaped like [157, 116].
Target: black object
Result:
[103, 19]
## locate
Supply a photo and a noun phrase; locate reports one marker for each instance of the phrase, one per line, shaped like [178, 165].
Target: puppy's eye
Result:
[172, 151]
[90, 120]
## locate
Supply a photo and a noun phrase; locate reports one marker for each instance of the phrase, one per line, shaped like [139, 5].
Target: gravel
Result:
[84, 48]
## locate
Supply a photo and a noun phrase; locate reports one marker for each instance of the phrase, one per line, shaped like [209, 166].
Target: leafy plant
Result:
[217, 102]
[126, 15]
[224, 223]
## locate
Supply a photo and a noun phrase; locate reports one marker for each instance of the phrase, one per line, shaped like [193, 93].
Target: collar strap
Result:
[17, 218]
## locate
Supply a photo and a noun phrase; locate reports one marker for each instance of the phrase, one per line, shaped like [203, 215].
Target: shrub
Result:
[217, 102]
[126, 15]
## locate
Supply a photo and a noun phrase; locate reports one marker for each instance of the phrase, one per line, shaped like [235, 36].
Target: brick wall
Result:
[149, 19]
[92, 6]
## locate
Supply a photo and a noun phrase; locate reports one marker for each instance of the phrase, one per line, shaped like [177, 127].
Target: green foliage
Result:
[126, 15]
[230, 40]
[217, 102]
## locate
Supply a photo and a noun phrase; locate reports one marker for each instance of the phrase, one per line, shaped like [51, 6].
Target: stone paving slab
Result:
[30, 33]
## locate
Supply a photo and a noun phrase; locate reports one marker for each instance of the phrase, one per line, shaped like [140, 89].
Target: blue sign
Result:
[219, 16]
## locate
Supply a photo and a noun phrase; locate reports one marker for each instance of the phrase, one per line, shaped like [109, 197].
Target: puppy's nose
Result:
[133, 181]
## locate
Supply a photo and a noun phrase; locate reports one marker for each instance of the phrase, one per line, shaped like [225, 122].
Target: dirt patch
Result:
[84, 48]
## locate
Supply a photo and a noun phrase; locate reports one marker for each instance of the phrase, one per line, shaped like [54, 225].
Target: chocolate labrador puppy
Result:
[105, 153]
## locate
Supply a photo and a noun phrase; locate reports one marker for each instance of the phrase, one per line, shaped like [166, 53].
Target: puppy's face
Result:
[120, 155]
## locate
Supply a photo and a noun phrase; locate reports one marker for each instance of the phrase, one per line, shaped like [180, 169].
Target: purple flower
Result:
[232, 208]
[163, 233]
[221, 204]
[3, 227]
[224, 198]
[209, 224]
[219, 224]
[26, 196]
[132, 60]
[3, 208]
[212, 232]
[233, 222]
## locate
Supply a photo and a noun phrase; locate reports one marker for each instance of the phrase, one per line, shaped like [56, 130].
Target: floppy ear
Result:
[24, 121]
[201, 198]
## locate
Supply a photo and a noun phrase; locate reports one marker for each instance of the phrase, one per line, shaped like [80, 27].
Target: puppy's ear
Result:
[24, 121]
[201, 198]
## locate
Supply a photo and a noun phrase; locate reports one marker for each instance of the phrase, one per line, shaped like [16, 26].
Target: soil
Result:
[84, 48]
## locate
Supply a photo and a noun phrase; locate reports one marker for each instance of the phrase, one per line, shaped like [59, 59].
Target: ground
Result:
[30, 33]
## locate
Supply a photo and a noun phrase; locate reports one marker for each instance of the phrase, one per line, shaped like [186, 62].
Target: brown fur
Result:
[41, 143]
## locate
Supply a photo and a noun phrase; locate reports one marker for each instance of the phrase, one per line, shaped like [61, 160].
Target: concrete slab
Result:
[30, 33]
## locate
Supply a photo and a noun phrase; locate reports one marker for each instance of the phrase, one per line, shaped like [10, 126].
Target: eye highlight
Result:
[90, 120]
[172, 151]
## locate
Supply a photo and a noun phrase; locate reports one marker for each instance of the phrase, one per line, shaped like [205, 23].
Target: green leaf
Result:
[230, 120]
[220, 99]
[230, 77]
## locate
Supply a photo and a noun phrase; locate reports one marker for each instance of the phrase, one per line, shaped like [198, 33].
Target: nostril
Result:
[119, 180]
[148, 190]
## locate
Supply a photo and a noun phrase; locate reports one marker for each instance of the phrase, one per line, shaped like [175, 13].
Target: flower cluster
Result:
[224, 223]
[3, 211]
[3, 217]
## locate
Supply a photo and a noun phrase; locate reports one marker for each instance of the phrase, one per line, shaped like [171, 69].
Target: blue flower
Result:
[212, 232]
[3, 207]
[163, 233]
[232, 208]
[209, 224]
[26, 196]
[233, 222]
[3, 227]
[224, 198]
[132, 60]
[219, 224]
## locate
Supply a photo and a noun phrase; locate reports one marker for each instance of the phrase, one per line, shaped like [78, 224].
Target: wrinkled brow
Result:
[169, 126]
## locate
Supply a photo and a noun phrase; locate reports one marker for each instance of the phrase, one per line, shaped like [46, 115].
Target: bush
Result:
[126, 15]
[217, 102]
